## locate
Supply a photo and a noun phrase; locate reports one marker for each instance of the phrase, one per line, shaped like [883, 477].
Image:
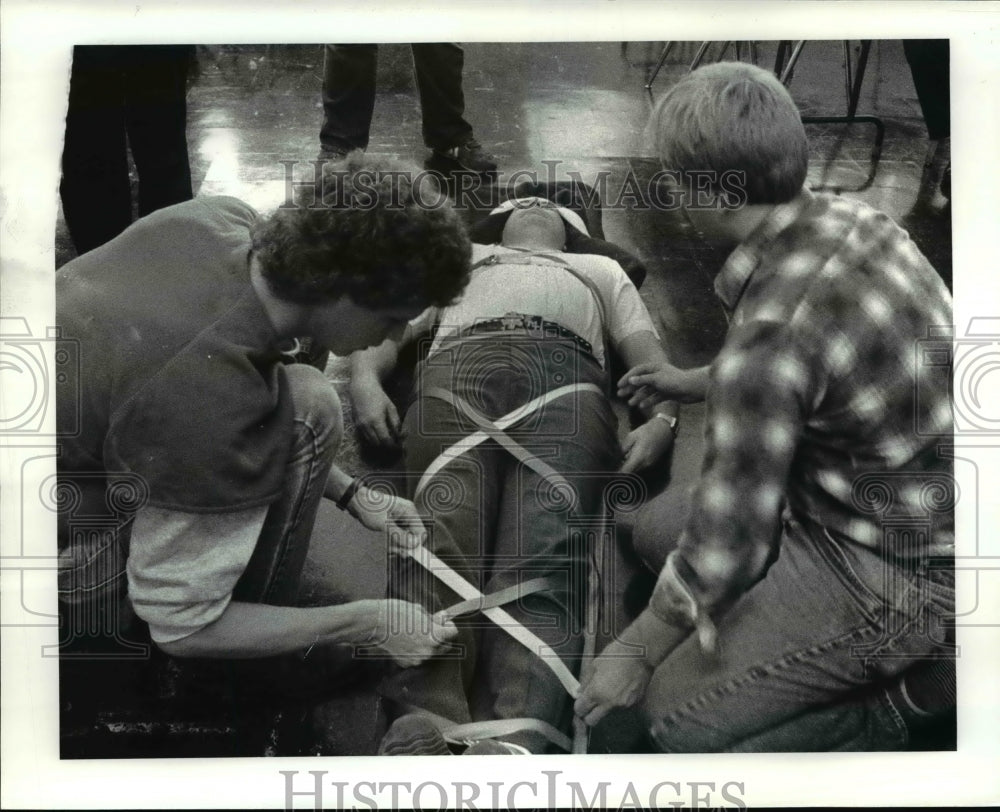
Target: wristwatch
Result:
[669, 419]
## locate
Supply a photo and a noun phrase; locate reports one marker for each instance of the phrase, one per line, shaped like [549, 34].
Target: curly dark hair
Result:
[380, 232]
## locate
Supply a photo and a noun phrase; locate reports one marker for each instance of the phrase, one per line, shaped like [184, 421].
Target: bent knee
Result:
[316, 403]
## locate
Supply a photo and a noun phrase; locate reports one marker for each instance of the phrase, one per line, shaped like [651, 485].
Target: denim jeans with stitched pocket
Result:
[806, 657]
[498, 522]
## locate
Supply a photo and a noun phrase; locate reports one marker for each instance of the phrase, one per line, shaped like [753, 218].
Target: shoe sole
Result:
[447, 163]
[426, 741]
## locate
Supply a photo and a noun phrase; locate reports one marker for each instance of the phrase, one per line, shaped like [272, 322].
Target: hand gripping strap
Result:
[532, 642]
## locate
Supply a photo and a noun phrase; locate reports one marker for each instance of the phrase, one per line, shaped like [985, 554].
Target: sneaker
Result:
[413, 735]
[495, 747]
[470, 156]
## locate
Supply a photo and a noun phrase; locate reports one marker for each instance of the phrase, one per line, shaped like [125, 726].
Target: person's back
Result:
[815, 554]
[841, 295]
[196, 453]
[135, 302]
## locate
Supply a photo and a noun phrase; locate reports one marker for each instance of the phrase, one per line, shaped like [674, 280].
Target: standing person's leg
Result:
[348, 97]
[801, 654]
[156, 120]
[96, 197]
[930, 67]
[438, 67]
[272, 576]
[929, 64]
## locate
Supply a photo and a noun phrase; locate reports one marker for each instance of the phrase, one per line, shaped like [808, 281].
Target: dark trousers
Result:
[349, 94]
[499, 523]
[928, 59]
[123, 97]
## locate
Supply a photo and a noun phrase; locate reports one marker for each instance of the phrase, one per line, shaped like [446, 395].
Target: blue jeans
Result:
[273, 573]
[94, 608]
[809, 658]
[499, 523]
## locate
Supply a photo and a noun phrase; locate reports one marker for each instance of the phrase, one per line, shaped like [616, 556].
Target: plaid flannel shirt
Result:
[811, 405]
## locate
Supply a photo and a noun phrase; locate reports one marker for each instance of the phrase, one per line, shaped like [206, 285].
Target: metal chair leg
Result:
[659, 65]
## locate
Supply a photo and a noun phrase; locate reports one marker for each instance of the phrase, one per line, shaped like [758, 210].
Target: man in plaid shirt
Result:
[814, 565]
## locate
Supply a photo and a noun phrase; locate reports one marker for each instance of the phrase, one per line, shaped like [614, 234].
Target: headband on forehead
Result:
[571, 218]
[583, 212]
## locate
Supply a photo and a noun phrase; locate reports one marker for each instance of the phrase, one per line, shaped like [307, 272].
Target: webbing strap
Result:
[474, 600]
[498, 598]
[526, 259]
[529, 640]
[499, 728]
[467, 732]
[532, 461]
[505, 422]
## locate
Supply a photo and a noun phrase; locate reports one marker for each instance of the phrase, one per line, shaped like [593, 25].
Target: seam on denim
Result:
[756, 673]
[296, 513]
[891, 640]
[886, 700]
[845, 572]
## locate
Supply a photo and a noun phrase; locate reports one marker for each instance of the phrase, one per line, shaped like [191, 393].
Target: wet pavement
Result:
[551, 109]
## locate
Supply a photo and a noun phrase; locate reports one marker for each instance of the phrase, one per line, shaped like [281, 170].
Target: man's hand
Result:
[646, 444]
[375, 415]
[409, 633]
[647, 384]
[618, 678]
[378, 510]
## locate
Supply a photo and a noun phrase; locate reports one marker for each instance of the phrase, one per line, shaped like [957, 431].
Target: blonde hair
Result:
[732, 119]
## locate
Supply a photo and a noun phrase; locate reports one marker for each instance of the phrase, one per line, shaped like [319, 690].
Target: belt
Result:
[531, 326]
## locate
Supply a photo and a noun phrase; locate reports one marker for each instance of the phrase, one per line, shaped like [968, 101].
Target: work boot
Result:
[469, 156]
[413, 735]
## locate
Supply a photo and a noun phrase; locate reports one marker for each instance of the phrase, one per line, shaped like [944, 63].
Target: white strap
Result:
[532, 642]
[571, 217]
[505, 422]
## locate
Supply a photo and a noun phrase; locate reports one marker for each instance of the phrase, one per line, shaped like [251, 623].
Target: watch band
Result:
[348, 495]
[669, 419]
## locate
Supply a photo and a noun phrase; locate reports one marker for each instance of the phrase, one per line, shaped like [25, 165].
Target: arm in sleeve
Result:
[626, 313]
[759, 391]
[183, 567]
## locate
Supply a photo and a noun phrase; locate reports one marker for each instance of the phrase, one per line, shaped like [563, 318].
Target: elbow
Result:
[200, 643]
[184, 647]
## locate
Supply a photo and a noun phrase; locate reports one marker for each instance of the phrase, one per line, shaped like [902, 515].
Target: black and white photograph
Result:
[563, 391]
